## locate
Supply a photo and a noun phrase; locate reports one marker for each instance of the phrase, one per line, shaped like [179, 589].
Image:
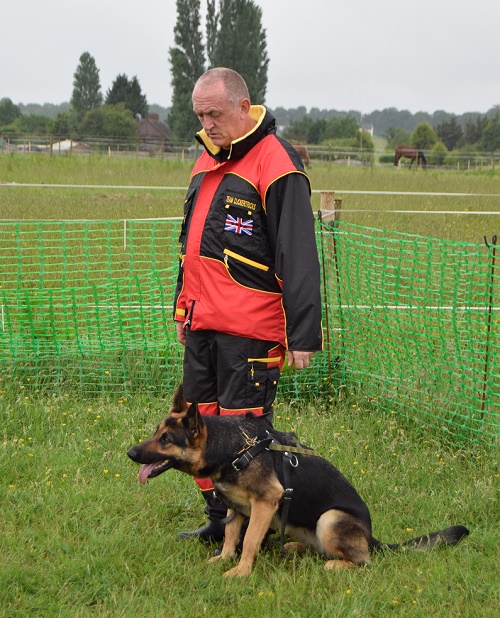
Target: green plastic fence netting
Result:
[409, 322]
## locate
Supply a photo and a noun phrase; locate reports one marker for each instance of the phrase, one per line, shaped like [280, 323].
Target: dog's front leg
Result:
[260, 520]
[231, 537]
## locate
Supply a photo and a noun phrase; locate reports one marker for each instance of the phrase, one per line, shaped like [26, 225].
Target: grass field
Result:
[79, 537]
[21, 203]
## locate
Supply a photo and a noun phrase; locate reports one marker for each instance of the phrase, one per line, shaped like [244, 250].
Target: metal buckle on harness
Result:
[292, 459]
[244, 460]
[288, 493]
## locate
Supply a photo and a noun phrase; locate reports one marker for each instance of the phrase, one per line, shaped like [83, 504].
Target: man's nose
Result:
[207, 123]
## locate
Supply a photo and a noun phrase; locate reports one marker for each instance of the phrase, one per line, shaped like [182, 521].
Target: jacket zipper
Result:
[241, 258]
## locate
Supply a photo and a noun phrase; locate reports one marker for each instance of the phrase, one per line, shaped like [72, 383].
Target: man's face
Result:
[222, 120]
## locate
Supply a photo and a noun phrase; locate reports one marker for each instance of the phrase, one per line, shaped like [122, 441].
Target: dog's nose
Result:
[132, 453]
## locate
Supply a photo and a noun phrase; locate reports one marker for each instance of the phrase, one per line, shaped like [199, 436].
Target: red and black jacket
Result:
[249, 263]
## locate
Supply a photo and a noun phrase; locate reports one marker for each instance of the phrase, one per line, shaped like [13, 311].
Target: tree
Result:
[300, 130]
[211, 31]
[109, 121]
[32, 124]
[424, 136]
[438, 154]
[490, 138]
[473, 130]
[187, 60]
[8, 112]
[62, 128]
[341, 127]
[128, 92]
[450, 133]
[397, 137]
[86, 86]
[246, 54]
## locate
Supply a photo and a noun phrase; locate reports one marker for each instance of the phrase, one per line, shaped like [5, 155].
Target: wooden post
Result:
[329, 214]
[329, 206]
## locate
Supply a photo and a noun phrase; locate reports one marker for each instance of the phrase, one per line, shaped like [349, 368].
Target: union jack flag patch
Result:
[238, 225]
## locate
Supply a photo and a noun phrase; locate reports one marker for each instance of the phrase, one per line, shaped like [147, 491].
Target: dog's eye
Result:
[164, 438]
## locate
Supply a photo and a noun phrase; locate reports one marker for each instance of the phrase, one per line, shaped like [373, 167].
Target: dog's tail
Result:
[448, 536]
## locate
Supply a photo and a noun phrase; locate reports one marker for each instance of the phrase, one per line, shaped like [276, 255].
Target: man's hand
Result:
[301, 359]
[181, 332]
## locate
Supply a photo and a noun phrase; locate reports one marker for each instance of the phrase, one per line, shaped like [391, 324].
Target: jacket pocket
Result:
[242, 259]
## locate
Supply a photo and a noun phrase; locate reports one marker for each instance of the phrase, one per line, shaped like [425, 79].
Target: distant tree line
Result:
[341, 132]
[88, 113]
[443, 133]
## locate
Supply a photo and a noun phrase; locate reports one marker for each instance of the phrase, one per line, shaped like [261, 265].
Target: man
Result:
[249, 283]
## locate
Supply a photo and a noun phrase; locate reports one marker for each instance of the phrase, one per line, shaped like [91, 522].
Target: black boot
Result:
[213, 531]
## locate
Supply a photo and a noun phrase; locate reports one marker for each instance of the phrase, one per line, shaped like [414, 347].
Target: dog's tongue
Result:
[145, 471]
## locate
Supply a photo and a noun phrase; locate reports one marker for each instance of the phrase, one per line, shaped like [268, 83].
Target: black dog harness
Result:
[290, 461]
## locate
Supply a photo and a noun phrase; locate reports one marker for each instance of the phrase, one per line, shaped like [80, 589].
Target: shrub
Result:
[438, 154]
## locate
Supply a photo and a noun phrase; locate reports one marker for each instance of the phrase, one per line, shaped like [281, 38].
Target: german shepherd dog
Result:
[323, 510]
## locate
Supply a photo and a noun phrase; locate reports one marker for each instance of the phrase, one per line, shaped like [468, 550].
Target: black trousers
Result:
[225, 374]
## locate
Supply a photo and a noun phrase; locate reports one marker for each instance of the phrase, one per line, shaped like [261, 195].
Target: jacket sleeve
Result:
[291, 233]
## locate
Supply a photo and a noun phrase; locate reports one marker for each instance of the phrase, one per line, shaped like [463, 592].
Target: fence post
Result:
[493, 246]
[329, 215]
[329, 206]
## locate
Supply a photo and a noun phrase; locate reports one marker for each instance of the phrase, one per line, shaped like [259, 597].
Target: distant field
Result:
[21, 203]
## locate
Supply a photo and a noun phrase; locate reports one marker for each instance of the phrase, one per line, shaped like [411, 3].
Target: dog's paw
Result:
[332, 565]
[239, 571]
[300, 548]
[214, 559]
[224, 556]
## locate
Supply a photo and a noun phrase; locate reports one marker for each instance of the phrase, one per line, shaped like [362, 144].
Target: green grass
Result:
[80, 537]
[20, 203]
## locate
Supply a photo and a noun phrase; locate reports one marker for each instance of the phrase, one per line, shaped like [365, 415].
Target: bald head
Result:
[222, 104]
[234, 85]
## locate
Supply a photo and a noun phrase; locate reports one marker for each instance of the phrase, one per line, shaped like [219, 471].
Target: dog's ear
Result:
[193, 420]
[179, 403]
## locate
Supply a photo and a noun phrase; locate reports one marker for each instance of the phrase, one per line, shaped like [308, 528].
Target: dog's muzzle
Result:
[148, 470]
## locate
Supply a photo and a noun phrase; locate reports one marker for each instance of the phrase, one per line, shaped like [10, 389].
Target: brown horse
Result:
[303, 154]
[412, 153]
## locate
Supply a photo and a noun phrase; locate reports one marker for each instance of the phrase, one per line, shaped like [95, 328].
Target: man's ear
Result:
[245, 107]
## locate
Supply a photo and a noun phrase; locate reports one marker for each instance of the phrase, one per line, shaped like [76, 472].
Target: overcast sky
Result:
[419, 55]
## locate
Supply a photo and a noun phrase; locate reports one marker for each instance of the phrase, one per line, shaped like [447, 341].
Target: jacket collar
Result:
[265, 125]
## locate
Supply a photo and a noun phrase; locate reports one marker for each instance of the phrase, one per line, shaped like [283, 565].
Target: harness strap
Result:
[240, 463]
[294, 449]
[287, 496]
[289, 461]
